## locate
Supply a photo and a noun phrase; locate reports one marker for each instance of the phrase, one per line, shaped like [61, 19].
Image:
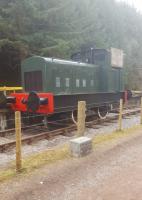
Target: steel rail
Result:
[44, 135]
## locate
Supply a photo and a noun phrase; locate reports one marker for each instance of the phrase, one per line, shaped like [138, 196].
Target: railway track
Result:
[44, 135]
[61, 131]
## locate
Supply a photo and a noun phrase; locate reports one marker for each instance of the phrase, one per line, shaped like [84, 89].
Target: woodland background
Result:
[58, 28]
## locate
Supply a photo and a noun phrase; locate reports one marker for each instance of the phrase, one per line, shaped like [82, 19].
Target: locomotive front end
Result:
[42, 103]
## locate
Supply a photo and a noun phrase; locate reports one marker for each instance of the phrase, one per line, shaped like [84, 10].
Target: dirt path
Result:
[112, 172]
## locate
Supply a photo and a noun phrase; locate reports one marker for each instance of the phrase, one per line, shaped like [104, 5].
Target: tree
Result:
[60, 28]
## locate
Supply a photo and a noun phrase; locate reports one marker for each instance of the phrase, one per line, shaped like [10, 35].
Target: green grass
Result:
[35, 161]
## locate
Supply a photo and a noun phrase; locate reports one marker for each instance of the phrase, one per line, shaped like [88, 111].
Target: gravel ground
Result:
[5, 158]
[111, 172]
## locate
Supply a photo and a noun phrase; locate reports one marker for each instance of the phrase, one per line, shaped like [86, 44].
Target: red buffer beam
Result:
[33, 102]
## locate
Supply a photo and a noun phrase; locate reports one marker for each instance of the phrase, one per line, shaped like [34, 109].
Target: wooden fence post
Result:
[81, 118]
[141, 111]
[120, 115]
[18, 141]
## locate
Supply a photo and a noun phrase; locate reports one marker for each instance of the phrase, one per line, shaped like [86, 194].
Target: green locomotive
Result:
[95, 77]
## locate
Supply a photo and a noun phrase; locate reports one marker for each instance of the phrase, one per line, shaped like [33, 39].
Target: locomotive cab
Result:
[91, 56]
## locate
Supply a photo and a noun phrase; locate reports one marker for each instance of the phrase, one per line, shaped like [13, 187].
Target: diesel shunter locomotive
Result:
[53, 86]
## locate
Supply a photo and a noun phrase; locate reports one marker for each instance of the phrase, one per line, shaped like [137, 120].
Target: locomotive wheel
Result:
[102, 112]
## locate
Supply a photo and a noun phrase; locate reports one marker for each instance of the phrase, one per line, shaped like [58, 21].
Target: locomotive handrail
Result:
[2, 89]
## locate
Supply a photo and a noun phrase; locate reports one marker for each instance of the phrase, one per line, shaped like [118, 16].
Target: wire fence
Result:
[34, 120]
[119, 110]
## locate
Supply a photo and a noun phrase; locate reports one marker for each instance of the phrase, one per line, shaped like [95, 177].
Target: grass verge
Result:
[51, 156]
[100, 139]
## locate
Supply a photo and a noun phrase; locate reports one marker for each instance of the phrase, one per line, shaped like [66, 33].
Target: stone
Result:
[80, 146]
